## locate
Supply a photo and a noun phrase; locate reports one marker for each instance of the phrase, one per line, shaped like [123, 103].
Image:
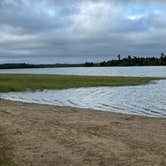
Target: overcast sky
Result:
[56, 31]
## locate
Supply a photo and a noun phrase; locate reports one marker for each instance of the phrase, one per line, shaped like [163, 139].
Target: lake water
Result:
[157, 71]
[145, 100]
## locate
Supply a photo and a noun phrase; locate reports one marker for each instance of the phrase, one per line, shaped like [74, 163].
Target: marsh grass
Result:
[23, 82]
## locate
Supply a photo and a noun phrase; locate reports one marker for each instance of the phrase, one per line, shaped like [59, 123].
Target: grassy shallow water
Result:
[22, 82]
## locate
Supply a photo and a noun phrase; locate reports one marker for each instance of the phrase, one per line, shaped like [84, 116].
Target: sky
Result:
[74, 31]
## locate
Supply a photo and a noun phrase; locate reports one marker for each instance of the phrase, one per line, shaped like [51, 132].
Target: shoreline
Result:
[45, 135]
[83, 109]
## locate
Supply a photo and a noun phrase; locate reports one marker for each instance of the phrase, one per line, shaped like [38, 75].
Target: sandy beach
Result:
[42, 135]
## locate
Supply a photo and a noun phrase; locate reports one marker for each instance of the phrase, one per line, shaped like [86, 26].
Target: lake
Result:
[156, 71]
[144, 100]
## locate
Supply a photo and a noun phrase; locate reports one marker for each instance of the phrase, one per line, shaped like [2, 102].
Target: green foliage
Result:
[137, 61]
[20, 82]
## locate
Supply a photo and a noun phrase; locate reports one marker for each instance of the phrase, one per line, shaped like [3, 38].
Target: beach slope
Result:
[41, 135]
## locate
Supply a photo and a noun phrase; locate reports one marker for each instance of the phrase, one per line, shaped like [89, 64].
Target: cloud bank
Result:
[83, 29]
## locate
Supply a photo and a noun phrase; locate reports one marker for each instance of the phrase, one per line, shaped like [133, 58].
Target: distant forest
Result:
[129, 61]
[136, 61]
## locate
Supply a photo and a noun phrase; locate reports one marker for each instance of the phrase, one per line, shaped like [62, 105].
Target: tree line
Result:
[129, 61]
[136, 61]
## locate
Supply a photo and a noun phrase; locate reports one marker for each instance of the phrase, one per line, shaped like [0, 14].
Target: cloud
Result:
[81, 29]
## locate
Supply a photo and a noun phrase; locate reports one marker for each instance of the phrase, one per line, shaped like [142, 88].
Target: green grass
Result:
[20, 82]
[5, 160]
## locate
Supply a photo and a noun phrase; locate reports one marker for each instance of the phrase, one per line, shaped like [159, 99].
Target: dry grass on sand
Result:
[43, 135]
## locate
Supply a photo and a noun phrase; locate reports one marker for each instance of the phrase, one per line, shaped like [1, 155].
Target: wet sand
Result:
[42, 135]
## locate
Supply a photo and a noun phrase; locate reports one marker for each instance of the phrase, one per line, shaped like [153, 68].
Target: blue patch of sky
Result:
[142, 10]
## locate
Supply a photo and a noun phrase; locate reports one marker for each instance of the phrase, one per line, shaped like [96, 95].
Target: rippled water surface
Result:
[146, 100]
[158, 71]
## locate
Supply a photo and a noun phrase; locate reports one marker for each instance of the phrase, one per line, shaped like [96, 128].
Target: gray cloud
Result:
[94, 29]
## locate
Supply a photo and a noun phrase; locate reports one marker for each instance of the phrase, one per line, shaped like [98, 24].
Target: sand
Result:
[42, 135]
